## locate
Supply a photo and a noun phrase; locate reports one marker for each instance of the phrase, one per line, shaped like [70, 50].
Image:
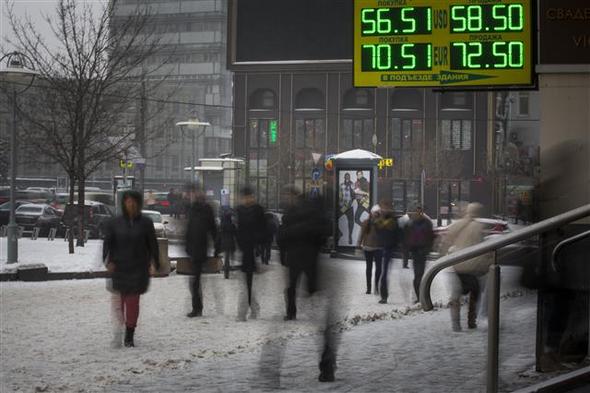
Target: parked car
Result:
[96, 215]
[162, 204]
[159, 223]
[61, 199]
[42, 216]
[5, 210]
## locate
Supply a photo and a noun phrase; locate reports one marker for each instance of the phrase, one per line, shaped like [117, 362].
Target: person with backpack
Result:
[420, 238]
[370, 242]
[389, 236]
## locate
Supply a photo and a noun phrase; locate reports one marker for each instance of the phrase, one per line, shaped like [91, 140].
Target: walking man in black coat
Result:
[130, 247]
[251, 233]
[201, 226]
[420, 238]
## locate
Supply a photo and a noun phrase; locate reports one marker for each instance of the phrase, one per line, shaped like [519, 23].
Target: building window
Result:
[408, 100]
[357, 134]
[523, 104]
[406, 147]
[309, 99]
[406, 195]
[262, 99]
[456, 134]
[358, 99]
[456, 101]
[310, 138]
[262, 168]
[174, 167]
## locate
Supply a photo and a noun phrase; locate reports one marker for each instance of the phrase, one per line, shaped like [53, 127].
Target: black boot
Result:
[326, 372]
[129, 332]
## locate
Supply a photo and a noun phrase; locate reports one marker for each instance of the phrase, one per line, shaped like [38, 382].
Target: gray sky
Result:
[35, 9]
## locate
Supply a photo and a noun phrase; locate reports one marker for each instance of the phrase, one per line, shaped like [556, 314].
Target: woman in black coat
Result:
[130, 246]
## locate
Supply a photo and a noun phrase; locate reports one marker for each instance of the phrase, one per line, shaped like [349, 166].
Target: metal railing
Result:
[493, 286]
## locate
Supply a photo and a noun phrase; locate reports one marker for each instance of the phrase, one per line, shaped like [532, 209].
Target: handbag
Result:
[211, 265]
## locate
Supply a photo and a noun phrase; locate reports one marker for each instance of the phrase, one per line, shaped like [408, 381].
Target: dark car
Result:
[96, 216]
[45, 217]
[5, 211]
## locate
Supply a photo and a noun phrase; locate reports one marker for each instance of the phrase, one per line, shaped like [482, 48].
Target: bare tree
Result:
[90, 85]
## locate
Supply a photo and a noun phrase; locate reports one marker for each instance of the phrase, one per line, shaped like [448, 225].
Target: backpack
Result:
[420, 234]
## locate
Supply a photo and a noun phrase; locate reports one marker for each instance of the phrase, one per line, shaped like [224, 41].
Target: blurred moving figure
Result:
[272, 226]
[129, 248]
[302, 233]
[370, 242]
[390, 237]
[419, 240]
[227, 236]
[250, 234]
[200, 228]
[461, 234]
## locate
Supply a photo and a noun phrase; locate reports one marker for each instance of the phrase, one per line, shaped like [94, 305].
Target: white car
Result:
[159, 223]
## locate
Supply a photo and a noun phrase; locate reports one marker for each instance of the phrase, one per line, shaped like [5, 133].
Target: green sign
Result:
[273, 130]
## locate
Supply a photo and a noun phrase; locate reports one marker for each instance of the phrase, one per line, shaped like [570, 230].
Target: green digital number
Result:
[408, 56]
[518, 47]
[474, 18]
[429, 19]
[515, 23]
[409, 20]
[383, 23]
[502, 18]
[461, 19]
[367, 19]
[429, 56]
[463, 47]
[470, 57]
[378, 61]
[499, 50]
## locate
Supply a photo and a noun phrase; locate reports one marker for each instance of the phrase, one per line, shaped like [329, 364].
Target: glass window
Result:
[261, 162]
[456, 134]
[407, 146]
[357, 134]
[523, 104]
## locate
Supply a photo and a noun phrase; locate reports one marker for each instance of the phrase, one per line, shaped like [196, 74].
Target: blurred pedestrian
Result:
[272, 226]
[461, 234]
[370, 242]
[130, 250]
[151, 200]
[227, 237]
[251, 232]
[200, 229]
[173, 202]
[419, 240]
[389, 234]
[301, 236]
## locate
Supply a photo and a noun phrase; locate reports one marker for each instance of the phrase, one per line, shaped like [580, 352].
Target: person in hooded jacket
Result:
[250, 234]
[200, 228]
[462, 234]
[129, 249]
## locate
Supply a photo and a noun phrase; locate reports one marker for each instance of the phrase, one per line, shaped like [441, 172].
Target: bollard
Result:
[493, 292]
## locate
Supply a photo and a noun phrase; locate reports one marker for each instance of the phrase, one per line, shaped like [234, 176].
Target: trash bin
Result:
[164, 260]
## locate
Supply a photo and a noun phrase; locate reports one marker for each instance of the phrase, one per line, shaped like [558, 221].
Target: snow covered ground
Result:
[54, 255]
[55, 336]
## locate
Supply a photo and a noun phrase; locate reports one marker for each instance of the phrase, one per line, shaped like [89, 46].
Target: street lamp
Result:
[193, 124]
[19, 75]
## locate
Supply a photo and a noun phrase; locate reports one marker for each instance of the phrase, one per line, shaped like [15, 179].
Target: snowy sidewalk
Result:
[57, 334]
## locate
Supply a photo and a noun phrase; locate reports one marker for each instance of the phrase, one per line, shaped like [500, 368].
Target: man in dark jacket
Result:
[250, 234]
[201, 226]
[129, 247]
[420, 238]
[301, 235]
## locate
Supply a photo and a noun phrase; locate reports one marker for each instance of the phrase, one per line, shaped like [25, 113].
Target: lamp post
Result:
[193, 124]
[19, 75]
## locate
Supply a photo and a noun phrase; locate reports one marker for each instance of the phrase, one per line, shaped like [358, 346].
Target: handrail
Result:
[494, 244]
[565, 242]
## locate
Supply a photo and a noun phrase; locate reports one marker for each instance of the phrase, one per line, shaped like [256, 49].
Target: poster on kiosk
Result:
[354, 203]
[355, 192]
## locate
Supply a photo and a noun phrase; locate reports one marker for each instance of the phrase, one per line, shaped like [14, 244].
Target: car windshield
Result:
[30, 209]
[153, 216]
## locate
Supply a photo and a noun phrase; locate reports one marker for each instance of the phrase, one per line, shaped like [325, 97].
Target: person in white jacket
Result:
[465, 233]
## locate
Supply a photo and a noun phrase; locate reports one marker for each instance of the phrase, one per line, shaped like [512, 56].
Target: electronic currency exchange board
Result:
[443, 43]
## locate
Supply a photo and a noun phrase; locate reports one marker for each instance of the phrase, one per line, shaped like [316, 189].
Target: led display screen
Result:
[443, 43]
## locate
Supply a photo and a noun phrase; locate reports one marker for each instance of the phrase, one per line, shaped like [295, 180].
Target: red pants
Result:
[129, 309]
